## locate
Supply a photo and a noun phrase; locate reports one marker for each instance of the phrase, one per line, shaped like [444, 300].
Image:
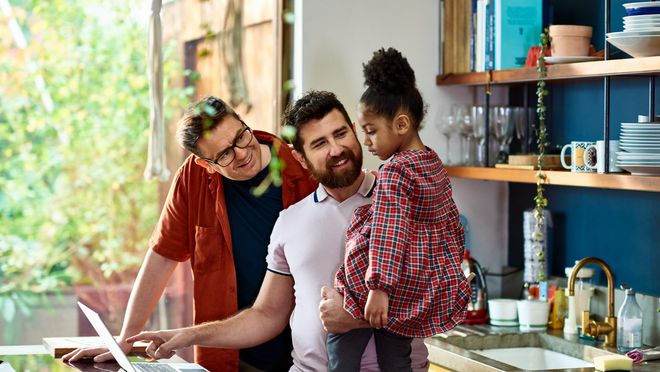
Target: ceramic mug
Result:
[594, 157]
[578, 149]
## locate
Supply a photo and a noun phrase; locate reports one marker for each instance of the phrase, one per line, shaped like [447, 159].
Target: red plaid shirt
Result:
[408, 243]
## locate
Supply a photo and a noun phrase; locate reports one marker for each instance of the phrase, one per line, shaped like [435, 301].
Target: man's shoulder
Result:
[299, 208]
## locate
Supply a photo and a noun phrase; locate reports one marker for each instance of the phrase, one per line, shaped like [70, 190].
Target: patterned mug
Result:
[594, 157]
[578, 149]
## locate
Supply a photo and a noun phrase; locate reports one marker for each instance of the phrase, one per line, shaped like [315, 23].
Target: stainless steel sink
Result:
[483, 348]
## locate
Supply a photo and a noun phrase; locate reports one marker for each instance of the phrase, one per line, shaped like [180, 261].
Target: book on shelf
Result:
[456, 36]
[518, 24]
[480, 35]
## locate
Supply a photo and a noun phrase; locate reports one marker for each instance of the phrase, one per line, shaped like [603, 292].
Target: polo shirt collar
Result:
[366, 188]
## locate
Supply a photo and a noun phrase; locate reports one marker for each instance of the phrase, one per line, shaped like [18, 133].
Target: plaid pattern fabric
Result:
[408, 243]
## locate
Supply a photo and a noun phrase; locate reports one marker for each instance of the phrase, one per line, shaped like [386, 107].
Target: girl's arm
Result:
[390, 227]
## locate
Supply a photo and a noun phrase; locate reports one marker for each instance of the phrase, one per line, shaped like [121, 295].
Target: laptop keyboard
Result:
[153, 367]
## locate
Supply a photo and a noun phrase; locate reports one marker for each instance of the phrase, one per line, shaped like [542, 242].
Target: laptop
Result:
[122, 359]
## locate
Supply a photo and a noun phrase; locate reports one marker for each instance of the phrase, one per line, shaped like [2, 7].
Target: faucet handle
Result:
[585, 322]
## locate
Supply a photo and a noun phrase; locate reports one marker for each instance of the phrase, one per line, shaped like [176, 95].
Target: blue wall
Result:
[621, 227]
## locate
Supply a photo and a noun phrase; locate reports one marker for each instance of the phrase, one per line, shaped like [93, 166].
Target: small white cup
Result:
[503, 312]
[594, 157]
[533, 314]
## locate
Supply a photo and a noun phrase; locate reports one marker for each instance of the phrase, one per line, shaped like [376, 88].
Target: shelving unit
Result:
[606, 69]
[615, 181]
[566, 71]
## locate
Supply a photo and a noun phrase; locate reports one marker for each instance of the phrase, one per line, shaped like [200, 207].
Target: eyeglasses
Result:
[241, 141]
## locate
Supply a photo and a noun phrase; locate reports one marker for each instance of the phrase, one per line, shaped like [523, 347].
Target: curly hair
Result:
[391, 86]
[314, 105]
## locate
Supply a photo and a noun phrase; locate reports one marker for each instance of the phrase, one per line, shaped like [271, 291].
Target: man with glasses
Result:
[213, 218]
[306, 248]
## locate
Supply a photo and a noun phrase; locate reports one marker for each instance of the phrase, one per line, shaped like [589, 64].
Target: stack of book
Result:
[480, 35]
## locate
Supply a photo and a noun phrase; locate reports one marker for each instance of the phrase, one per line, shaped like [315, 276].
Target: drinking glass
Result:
[504, 132]
[458, 112]
[479, 133]
[521, 128]
[444, 121]
[467, 131]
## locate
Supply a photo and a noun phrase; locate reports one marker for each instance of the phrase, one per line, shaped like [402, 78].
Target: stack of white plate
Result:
[641, 33]
[641, 23]
[640, 148]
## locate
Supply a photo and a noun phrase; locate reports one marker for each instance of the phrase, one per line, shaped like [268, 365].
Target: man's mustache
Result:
[338, 159]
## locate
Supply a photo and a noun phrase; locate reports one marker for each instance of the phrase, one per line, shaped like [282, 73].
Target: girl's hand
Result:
[376, 310]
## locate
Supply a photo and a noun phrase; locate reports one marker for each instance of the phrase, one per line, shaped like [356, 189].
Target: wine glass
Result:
[458, 112]
[467, 131]
[493, 139]
[521, 127]
[504, 132]
[479, 133]
[445, 123]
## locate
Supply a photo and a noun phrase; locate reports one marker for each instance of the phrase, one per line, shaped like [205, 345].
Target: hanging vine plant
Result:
[540, 201]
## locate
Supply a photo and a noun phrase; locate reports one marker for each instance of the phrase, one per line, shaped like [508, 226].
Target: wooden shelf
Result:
[616, 181]
[566, 71]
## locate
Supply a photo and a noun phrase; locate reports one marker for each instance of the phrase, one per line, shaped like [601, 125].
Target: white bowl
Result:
[503, 312]
[642, 8]
[533, 315]
[637, 46]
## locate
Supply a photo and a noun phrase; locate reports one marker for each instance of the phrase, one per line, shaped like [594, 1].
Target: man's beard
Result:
[329, 178]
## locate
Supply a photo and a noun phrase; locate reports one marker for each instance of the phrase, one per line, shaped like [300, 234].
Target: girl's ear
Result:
[402, 123]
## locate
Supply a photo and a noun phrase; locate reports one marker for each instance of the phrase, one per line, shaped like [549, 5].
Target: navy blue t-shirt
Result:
[251, 219]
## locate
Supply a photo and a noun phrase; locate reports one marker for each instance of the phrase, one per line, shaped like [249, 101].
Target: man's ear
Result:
[402, 123]
[301, 159]
[204, 164]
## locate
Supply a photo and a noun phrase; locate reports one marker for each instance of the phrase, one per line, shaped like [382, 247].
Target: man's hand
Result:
[163, 343]
[333, 316]
[100, 354]
[376, 309]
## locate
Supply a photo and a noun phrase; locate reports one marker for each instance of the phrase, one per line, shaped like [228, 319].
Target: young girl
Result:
[404, 252]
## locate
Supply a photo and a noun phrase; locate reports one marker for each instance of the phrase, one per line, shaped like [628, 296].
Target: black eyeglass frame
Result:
[232, 147]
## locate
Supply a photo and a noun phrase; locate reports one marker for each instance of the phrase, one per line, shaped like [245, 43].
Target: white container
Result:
[503, 312]
[533, 315]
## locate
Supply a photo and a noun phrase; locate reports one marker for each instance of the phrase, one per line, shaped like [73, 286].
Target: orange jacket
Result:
[194, 225]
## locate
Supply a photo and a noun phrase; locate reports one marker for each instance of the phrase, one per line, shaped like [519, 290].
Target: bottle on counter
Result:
[629, 323]
[559, 309]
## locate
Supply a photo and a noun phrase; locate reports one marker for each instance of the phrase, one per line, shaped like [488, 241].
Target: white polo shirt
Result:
[308, 243]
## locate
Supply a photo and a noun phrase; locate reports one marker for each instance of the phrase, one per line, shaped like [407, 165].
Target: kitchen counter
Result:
[453, 349]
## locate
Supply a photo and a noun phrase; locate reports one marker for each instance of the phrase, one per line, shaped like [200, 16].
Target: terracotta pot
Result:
[570, 40]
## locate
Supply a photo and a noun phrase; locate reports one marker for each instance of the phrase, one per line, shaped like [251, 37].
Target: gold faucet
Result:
[593, 328]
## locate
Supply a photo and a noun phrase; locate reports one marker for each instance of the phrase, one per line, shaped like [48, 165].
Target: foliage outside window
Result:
[74, 206]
